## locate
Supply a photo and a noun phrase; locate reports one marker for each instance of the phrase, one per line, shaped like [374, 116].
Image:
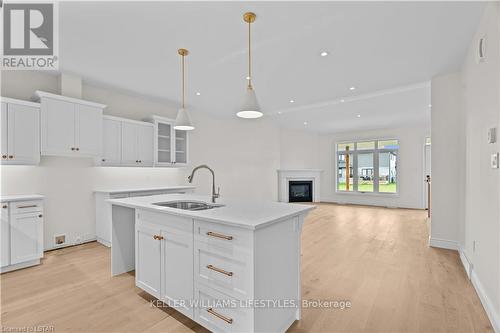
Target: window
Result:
[372, 166]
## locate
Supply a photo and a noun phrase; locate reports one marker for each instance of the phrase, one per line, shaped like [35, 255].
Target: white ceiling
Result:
[378, 47]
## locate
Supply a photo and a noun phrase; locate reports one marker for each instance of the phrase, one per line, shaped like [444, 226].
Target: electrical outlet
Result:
[59, 239]
[78, 240]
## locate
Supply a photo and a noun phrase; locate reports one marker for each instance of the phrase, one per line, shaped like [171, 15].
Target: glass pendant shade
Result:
[250, 108]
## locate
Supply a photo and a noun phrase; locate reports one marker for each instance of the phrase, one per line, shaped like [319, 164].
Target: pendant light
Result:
[250, 108]
[183, 122]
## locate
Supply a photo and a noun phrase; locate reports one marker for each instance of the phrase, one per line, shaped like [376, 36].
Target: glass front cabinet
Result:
[171, 145]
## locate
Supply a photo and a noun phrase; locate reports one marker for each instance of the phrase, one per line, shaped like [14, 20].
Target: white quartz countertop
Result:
[143, 189]
[20, 197]
[246, 214]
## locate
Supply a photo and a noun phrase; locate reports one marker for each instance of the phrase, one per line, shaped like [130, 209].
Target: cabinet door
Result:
[148, 259]
[112, 142]
[88, 130]
[4, 132]
[5, 236]
[23, 134]
[177, 269]
[26, 237]
[181, 147]
[58, 127]
[163, 144]
[130, 154]
[145, 145]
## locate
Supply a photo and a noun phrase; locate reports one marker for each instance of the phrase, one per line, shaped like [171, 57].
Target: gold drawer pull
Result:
[219, 270]
[226, 319]
[214, 234]
[30, 206]
[158, 237]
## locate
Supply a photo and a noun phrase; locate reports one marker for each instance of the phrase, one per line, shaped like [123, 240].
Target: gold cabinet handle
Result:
[219, 270]
[11, 156]
[158, 237]
[4, 206]
[40, 215]
[218, 315]
[4, 156]
[72, 148]
[29, 206]
[77, 149]
[217, 235]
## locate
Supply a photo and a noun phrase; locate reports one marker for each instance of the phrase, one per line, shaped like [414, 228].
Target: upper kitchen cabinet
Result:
[127, 142]
[20, 132]
[70, 126]
[170, 145]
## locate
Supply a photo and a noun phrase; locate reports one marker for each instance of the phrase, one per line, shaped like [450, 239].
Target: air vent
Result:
[60, 239]
[481, 49]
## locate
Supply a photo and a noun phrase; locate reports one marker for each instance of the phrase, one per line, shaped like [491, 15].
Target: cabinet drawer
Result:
[223, 239]
[221, 313]
[231, 274]
[22, 207]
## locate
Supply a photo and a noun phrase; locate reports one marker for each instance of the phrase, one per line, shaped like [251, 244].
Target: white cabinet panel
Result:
[23, 134]
[26, 235]
[129, 144]
[145, 148]
[148, 259]
[112, 142]
[177, 269]
[58, 127]
[88, 130]
[5, 236]
[4, 131]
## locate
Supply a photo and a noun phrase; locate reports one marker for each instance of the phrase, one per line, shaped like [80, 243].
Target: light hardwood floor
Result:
[376, 258]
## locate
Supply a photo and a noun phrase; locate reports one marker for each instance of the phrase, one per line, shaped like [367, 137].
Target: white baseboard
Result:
[20, 266]
[443, 243]
[465, 262]
[55, 247]
[488, 306]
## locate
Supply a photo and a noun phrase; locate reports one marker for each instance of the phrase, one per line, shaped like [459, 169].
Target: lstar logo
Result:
[29, 39]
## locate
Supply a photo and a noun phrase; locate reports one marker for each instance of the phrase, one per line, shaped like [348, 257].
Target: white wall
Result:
[482, 183]
[299, 150]
[244, 155]
[410, 168]
[448, 159]
[466, 190]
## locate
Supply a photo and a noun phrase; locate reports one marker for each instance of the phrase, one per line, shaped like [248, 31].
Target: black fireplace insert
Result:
[300, 191]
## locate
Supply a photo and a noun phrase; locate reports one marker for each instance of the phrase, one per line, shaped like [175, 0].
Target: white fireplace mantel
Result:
[286, 175]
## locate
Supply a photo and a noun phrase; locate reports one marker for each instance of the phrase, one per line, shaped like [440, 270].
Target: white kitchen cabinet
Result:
[137, 143]
[148, 259]
[170, 145]
[69, 126]
[21, 233]
[111, 141]
[164, 244]
[5, 236]
[20, 137]
[26, 232]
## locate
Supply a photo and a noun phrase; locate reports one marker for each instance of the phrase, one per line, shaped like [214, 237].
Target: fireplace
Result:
[300, 191]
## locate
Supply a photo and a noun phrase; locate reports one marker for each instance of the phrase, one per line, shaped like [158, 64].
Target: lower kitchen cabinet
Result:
[22, 234]
[164, 265]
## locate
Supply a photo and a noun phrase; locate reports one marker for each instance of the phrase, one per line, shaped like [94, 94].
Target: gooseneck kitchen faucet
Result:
[204, 166]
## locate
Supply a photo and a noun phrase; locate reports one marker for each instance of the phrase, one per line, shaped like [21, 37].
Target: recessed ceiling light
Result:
[324, 53]
[430, 105]
[359, 116]
[305, 123]
[248, 77]
[352, 88]
[342, 100]
[292, 101]
[198, 93]
[279, 112]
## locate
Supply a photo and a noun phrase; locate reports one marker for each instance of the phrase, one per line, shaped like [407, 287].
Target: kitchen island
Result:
[233, 266]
